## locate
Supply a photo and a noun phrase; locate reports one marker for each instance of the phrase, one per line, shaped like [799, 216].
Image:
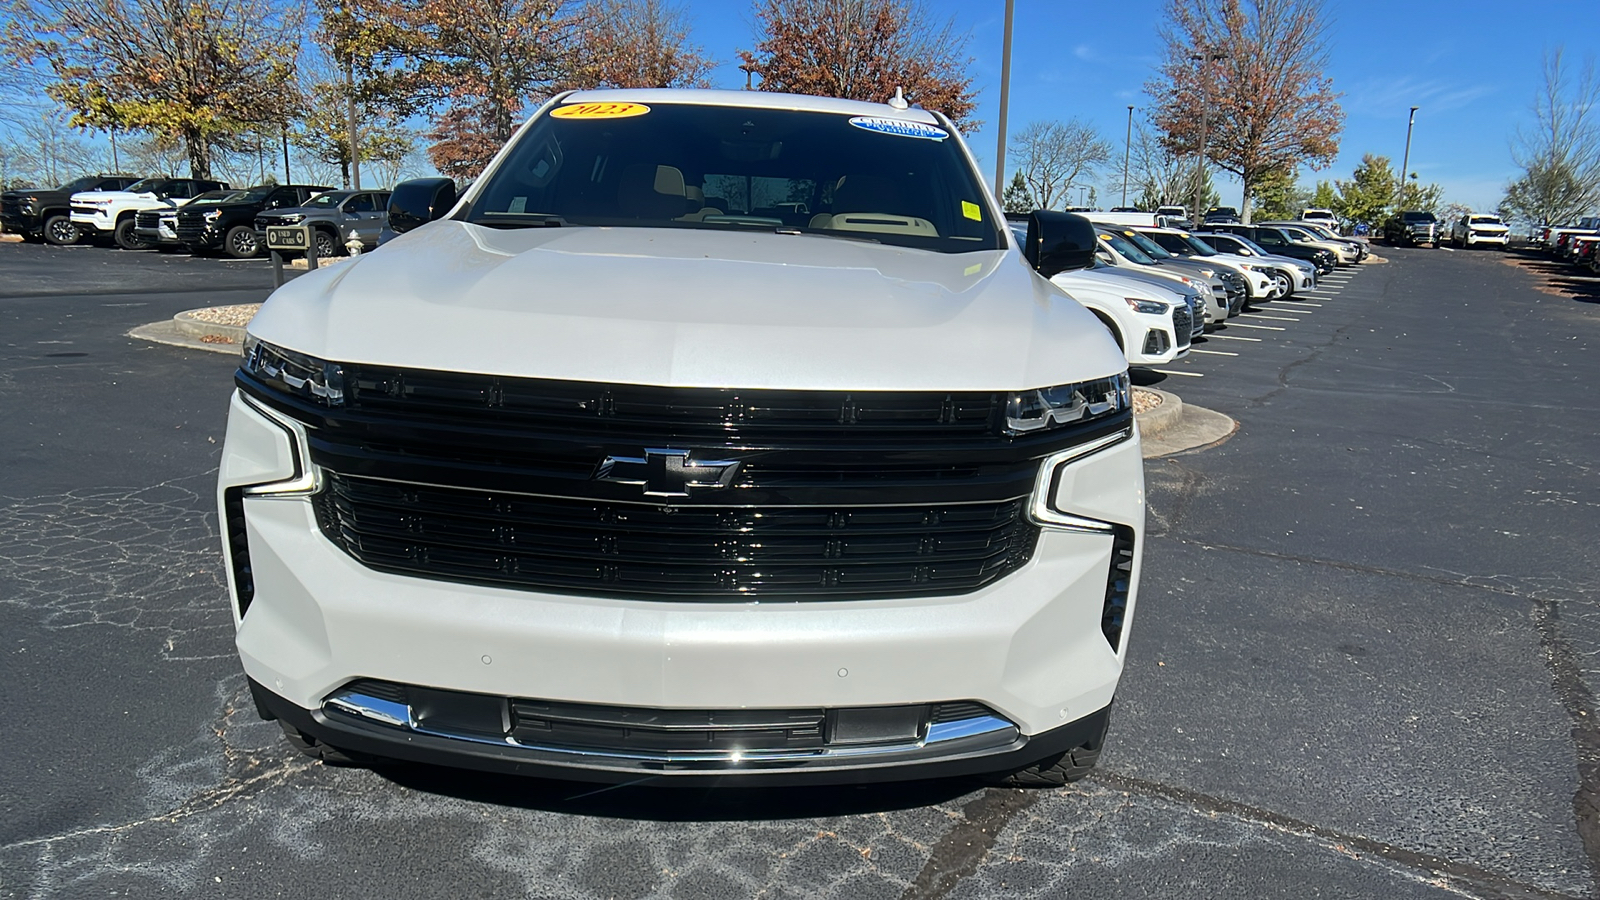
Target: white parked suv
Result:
[112, 214]
[711, 435]
[1479, 230]
[1323, 217]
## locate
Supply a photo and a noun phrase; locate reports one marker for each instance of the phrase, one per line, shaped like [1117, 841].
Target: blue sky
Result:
[1471, 66]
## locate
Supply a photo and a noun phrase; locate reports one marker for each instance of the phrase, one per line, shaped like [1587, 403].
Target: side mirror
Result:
[419, 201]
[1059, 242]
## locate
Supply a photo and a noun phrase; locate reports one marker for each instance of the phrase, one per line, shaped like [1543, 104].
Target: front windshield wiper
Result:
[519, 220]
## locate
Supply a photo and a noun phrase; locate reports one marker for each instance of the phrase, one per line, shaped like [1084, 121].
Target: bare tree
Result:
[154, 154]
[1252, 75]
[1053, 157]
[1560, 153]
[862, 50]
[50, 152]
[1160, 176]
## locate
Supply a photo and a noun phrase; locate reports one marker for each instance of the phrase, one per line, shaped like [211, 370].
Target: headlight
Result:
[293, 218]
[1209, 273]
[294, 373]
[213, 215]
[1068, 404]
[1153, 307]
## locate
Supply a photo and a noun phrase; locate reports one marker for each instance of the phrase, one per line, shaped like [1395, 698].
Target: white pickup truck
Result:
[110, 215]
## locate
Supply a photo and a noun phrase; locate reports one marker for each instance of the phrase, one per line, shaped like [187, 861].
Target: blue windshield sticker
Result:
[900, 128]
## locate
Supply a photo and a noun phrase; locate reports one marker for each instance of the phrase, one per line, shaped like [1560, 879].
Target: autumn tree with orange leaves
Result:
[637, 44]
[1272, 106]
[862, 50]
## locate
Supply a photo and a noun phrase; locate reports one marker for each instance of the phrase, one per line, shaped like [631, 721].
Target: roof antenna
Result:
[898, 101]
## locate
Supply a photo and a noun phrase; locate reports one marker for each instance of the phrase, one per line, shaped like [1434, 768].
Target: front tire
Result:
[1061, 769]
[127, 238]
[242, 243]
[327, 246]
[60, 231]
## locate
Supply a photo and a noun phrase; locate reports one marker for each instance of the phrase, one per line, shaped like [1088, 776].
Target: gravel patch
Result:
[1144, 401]
[240, 314]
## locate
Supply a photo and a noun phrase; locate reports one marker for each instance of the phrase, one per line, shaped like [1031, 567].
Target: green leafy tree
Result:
[1278, 196]
[1016, 198]
[1416, 196]
[1367, 197]
[1545, 194]
[204, 72]
[1323, 197]
[322, 134]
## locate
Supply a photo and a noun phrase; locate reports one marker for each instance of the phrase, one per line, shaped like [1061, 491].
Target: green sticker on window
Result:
[971, 210]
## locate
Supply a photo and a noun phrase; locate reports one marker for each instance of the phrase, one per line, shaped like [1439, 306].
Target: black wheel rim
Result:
[65, 232]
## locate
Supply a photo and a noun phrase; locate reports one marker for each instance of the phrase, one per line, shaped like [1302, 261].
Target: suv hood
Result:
[692, 308]
[114, 196]
[1111, 284]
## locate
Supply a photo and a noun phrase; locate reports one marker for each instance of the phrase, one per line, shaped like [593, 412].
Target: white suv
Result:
[713, 435]
[1479, 230]
[1323, 217]
[112, 214]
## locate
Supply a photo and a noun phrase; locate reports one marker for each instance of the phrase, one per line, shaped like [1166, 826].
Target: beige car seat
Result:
[651, 192]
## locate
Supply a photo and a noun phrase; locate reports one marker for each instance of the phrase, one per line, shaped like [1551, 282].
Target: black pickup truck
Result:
[1413, 228]
[45, 214]
[230, 225]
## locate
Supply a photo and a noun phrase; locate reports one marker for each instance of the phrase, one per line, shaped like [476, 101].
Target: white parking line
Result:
[1212, 352]
[1262, 327]
[1296, 304]
[1176, 372]
[1273, 318]
[1232, 337]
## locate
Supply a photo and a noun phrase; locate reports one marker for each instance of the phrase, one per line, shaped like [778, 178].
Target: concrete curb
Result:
[187, 324]
[173, 334]
[1162, 417]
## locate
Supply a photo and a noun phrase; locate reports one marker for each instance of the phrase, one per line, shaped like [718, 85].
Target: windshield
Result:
[673, 165]
[1200, 247]
[1485, 220]
[147, 186]
[1125, 247]
[1151, 248]
[217, 197]
[330, 199]
[85, 183]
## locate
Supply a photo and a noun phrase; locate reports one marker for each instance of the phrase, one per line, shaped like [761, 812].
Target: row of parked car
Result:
[1157, 287]
[192, 214]
[1578, 243]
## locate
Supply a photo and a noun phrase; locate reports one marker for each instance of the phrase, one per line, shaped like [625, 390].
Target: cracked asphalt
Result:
[1363, 662]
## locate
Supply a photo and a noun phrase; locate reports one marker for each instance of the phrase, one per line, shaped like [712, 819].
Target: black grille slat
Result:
[697, 553]
[1119, 582]
[583, 409]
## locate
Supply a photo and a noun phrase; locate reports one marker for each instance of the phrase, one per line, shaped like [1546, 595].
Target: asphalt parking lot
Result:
[1363, 663]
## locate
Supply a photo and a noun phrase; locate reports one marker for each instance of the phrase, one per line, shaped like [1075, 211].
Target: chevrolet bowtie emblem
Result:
[667, 473]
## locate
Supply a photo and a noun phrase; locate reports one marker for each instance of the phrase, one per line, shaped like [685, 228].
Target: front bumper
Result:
[95, 220]
[1473, 238]
[1033, 647]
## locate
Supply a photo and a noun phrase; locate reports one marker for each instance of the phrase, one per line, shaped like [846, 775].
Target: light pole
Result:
[1405, 161]
[1005, 97]
[1206, 58]
[1127, 145]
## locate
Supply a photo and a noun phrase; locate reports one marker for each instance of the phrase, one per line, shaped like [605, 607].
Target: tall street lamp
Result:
[1005, 96]
[1206, 58]
[1127, 145]
[1405, 161]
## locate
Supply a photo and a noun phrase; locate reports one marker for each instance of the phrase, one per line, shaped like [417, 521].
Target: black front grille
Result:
[576, 409]
[147, 218]
[601, 548]
[191, 225]
[1182, 325]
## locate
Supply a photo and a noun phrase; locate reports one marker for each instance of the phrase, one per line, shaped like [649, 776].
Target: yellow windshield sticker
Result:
[1105, 237]
[971, 211]
[973, 269]
[599, 110]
